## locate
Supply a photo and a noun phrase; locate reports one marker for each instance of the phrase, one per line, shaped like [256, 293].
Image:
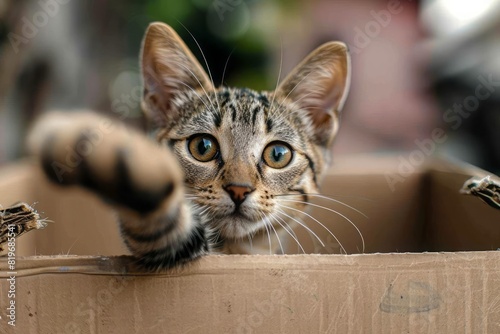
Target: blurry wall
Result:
[413, 61]
[69, 55]
[464, 43]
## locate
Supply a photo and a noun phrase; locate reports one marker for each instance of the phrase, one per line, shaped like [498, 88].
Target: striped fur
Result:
[173, 207]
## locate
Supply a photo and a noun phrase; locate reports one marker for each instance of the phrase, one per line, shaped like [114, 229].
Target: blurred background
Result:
[418, 66]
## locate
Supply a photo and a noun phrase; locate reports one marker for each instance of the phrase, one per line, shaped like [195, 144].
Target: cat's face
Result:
[244, 153]
[240, 139]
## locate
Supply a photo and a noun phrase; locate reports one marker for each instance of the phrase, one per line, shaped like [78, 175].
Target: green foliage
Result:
[218, 32]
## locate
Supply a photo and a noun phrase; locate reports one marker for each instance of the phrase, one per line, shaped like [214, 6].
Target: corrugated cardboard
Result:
[454, 291]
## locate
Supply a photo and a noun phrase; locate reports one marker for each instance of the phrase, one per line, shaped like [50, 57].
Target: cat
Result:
[226, 163]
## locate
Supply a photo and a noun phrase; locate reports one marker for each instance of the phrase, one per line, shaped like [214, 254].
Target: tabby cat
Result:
[227, 163]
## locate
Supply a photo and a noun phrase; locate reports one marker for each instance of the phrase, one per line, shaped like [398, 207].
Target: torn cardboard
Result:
[16, 220]
[486, 189]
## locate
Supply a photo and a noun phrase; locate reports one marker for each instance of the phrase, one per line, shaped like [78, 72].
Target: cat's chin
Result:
[237, 225]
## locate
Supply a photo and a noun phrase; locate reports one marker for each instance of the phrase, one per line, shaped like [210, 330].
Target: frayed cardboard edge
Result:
[17, 220]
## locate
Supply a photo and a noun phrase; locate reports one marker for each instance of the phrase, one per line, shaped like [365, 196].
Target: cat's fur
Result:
[173, 207]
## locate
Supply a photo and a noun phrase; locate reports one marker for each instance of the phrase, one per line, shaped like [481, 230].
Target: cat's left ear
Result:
[319, 85]
[169, 69]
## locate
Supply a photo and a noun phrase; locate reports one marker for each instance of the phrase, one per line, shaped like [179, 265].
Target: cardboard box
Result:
[430, 264]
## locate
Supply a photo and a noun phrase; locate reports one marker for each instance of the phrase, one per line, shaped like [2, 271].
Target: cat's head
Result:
[248, 157]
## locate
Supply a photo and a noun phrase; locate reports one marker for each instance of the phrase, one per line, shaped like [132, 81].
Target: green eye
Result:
[277, 155]
[203, 147]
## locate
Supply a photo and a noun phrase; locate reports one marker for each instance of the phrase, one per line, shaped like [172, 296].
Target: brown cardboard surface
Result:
[419, 292]
[379, 293]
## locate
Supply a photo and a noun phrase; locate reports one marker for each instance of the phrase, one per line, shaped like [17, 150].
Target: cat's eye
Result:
[203, 147]
[277, 155]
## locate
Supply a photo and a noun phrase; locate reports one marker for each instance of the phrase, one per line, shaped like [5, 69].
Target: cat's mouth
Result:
[236, 224]
[238, 215]
[245, 215]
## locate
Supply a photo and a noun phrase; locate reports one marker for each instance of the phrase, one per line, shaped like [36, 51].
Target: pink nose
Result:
[238, 192]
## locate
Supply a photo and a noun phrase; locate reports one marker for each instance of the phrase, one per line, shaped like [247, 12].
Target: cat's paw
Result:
[141, 179]
[120, 164]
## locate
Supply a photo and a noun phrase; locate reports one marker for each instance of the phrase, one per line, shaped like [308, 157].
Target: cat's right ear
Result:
[319, 86]
[168, 69]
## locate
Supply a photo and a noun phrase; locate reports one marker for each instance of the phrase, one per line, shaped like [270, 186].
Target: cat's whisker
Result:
[331, 196]
[321, 224]
[194, 91]
[190, 186]
[327, 198]
[209, 212]
[279, 74]
[225, 66]
[249, 236]
[291, 91]
[304, 96]
[205, 210]
[206, 62]
[187, 69]
[266, 220]
[275, 232]
[219, 232]
[268, 233]
[333, 211]
[196, 207]
[215, 238]
[204, 91]
[301, 224]
[70, 247]
[286, 226]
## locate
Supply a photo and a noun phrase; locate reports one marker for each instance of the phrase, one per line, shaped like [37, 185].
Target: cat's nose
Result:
[238, 192]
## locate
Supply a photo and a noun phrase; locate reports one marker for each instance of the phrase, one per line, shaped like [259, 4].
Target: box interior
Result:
[424, 212]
